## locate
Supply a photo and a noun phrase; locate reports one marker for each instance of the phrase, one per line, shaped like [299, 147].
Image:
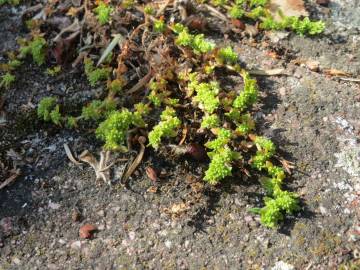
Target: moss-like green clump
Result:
[167, 127]
[6, 80]
[36, 48]
[95, 75]
[113, 131]
[103, 12]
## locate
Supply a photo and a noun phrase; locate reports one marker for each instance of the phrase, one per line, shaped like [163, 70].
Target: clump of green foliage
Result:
[6, 80]
[98, 109]
[159, 26]
[103, 12]
[36, 48]
[257, 10]
[167, 127]
[227, 55]
[197, 42]
[53, 71]
[95, 75]
[299, 26]
[48, 110]
[221, 157]
[113, 131]
[10, 2]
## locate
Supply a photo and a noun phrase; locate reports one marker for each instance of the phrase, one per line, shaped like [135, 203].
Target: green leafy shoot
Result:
[53, 71]
[206, 94]
[95, 75]
[98, 109]
[113, 131]
[159, 26]
[227, 55]
[167, 127]
[210, 121]
[6, 80]
[236, 12]
[48, 110]
[197, 42]
[36, 48]
[249, 94]
[299, 26]
[10, 2]
[103, 12]
[220, 166]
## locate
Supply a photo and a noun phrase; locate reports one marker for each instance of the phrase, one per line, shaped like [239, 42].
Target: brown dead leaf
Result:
[86, 231]
[137, 160]
[151, 173]
[288, 8]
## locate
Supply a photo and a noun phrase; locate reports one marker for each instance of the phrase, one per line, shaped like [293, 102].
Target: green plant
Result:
[249, 94]
[197, 42]
[113, 131]
[299, 26]
[221, 157]
[227, 55]
[165, 128]
[93, 74]
[159, 26]
[210, 121]
[236, 12]
[48, 110]
[6, 80]
[53, 71]
[103, 12]
[98, 109]
[36, 48]
[10, 2]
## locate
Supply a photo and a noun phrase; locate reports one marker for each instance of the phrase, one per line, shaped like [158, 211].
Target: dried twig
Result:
[9, 180]
[136, 161]
[216, 13]
[350, 79]
[140, 83]
[118, 38]
[268, 72]
[70, 155]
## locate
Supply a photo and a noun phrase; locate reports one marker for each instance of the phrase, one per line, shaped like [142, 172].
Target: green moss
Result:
[167, 127]
[103, 12]
[95, 75]
[159, 26]
[6, 80]
[113, 131]
[227, 55]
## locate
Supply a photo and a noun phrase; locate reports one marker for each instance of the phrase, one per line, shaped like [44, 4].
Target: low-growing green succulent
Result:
[48, 110]
[159, 26]
[113, 131]
[227, 55]
[210, 121]
[299, 26]
[167, 127]
[98, 109]
[36, 48]
[197, 42]
[94, 74]
[10, 2]
[249, 94]
[103, 12]
[6, 80]
[236, 12]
